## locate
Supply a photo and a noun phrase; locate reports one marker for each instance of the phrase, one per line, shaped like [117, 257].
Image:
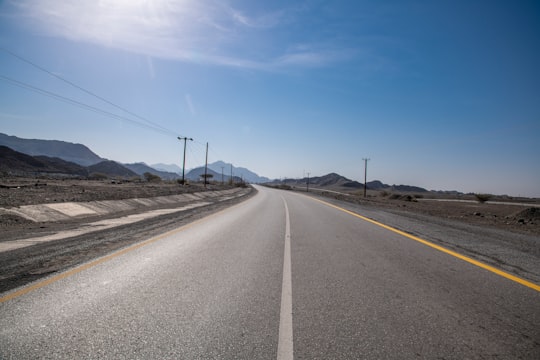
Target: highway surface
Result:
[279, 276]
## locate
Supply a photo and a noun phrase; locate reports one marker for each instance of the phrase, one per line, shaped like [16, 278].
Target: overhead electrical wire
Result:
[82, 105]
[78, 103]
[146, 124]
[153, 124]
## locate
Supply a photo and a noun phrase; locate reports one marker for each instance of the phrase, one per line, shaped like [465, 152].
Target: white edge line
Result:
[285, 341]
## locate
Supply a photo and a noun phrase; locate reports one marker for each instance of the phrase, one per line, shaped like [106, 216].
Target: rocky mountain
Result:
[141, 168]
[76, 153]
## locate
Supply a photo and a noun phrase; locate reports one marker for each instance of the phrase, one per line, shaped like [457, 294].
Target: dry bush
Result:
[482, 198]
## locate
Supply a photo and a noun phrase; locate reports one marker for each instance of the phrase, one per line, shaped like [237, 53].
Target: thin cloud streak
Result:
[187, 31]
[189, 103]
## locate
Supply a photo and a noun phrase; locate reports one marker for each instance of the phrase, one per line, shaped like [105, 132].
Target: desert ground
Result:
[514, 215]
[18, 267]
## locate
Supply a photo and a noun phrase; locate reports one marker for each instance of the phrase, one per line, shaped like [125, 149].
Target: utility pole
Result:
[222, 175]
[184, 165]
[206, 166]
[231, 176]
[307, 188]
[365, 175]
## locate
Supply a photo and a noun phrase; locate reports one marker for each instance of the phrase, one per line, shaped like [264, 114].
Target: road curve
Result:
[217, 288]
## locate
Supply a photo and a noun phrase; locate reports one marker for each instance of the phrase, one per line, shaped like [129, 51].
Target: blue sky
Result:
[439, 94]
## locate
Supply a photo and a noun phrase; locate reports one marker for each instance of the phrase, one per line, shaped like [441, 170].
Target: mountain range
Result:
[18, 164]
[76, 153]
[23, 157]
[83, 162]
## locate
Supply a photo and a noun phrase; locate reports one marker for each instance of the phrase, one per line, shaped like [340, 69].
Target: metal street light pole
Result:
[184, 164]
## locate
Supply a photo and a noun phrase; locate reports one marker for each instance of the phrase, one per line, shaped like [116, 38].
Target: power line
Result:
[147, 123]
[154, 125]
[80, 104]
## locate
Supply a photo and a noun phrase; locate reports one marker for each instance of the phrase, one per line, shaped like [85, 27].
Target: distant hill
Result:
[76, 153]
[111, 169]
[377, 185]
[141, 168]
[195, 175]
[172, 168]
[239, 172]
[335, 182]
[19, 164]
[330, 180]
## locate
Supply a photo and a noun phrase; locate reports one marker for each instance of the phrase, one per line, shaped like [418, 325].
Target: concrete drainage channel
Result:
[71, 210]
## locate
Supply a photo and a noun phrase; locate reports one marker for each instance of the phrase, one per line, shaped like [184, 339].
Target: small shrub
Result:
[151, 177]
[98, 176]
[482, 198]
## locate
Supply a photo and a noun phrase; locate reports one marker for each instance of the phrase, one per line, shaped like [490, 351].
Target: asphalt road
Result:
[279, 271]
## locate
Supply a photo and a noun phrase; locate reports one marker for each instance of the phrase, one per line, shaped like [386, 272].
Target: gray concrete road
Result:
[219, 289]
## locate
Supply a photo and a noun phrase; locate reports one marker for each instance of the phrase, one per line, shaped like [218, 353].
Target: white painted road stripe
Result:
[285, 342]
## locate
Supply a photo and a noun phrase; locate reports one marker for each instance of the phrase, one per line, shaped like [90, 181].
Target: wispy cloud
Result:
[210, 32]
[189, 104]
[267, 20]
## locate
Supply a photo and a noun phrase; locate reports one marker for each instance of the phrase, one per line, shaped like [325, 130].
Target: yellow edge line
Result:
[106, 258]
[439, 248]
